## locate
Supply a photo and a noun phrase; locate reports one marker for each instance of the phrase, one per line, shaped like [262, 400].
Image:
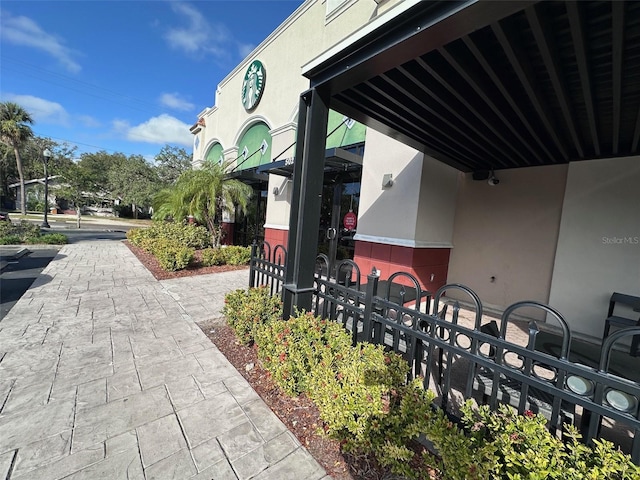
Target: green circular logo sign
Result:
[253, 85]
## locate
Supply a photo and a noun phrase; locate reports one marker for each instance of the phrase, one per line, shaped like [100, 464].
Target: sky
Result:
[125, 76]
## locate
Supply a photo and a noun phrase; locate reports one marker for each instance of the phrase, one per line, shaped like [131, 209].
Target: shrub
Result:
[291, 350]
[247, 310]
[10, 240]
[213, 256]
[365, 403]
[23, 231]
[171, 255]
[192, 236]
[49, 239]
[505, 441]
[236, 255]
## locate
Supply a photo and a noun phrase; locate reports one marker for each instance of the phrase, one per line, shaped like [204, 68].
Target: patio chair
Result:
[631, 303]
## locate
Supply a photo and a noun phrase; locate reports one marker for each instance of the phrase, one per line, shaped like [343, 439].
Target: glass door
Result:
[338, 220]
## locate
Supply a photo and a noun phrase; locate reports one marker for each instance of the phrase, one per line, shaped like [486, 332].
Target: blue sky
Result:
[125, 76]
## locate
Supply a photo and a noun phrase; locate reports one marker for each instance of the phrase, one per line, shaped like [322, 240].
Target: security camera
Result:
[493, 181]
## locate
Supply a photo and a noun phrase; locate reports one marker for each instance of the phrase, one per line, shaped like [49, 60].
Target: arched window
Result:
[214, 154]
[254, 148]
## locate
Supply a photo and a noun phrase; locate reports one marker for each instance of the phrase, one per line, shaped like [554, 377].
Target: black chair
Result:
[631, 302]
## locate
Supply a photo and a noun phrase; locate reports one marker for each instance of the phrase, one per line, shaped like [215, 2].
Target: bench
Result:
[631, 302]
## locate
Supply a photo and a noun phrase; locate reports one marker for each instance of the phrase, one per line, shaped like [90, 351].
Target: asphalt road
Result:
[17, 275]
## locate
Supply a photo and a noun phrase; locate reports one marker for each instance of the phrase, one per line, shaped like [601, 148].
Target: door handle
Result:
[331, 233]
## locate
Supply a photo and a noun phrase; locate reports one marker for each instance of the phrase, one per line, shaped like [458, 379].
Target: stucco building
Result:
[500, 149]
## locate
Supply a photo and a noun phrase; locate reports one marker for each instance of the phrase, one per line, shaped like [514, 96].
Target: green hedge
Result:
[365, 403]
[27, 233]
[229, 255]
[174, 245]
[193, 236]
[248, 310]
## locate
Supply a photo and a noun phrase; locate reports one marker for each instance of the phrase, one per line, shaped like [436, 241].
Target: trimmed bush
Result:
[10, 240]
[292, 350]
[236, 255]
[50, 239]
[248, 310]
[27, 233]
[213, 256]
[193, 236]
[171, 255]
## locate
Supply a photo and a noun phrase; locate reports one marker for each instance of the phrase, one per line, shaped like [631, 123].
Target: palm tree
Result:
[14, 132]
[205, 194]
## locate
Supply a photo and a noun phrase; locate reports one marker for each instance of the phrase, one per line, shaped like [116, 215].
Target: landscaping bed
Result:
[196, 268]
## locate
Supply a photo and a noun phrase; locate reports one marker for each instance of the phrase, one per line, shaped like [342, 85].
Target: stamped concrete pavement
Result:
[104, 374]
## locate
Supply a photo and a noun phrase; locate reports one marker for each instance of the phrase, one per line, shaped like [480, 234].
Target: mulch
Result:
[299, 414]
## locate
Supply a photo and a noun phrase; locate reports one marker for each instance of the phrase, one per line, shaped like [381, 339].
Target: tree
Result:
[14, 132]
[134, 181]
[98, 165]
[171, 162]
[205, 193]
[79, 186]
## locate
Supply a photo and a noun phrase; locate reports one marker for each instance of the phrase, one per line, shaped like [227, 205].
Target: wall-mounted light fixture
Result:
[279, 190]
[387, 180]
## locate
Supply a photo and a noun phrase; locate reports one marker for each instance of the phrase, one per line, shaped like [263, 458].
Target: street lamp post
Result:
[46, 155]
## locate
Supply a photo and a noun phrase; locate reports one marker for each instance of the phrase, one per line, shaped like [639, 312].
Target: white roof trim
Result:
[360, 33]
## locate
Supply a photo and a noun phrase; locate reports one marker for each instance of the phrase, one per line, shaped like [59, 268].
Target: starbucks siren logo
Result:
[253, 85]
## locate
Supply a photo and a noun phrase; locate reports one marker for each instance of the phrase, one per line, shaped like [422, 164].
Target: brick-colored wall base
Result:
[274, 236]
[227, 238]
[429, 265]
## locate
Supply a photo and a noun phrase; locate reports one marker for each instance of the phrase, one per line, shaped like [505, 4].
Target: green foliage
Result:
[205, 194]
[236, 255]
[171, 162]
[171, 255]
[248, 310]
[134, 181]
[10, 240]
[27, 233]
[291, 350]
[172, 244]
[52, 239]
[192, 236]
[365, 402]
[15, 131]
[505, 441]
[213, 256]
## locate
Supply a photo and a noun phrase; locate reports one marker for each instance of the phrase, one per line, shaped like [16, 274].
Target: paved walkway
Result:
[104, 374]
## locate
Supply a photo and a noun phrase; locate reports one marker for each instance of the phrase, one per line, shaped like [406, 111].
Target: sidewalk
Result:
[104, 374]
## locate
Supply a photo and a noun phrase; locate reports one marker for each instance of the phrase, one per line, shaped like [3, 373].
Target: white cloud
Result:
[245, 49]
[174, 100]
[198, 36]
[89, 121]
[25, 32]
[159, 130]
[42, 111]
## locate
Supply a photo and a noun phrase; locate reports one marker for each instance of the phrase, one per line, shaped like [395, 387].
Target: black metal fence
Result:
[443, 338]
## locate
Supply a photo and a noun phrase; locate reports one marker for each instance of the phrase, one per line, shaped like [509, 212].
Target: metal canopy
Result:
[250, 176]
[337, 160]
[493, 85]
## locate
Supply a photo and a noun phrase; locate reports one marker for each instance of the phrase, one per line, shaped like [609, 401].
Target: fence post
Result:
[370, 292]
[252, 270]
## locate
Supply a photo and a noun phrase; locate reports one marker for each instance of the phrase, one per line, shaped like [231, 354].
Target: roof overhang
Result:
[250, 176]
[337, 160]
[484, 85]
